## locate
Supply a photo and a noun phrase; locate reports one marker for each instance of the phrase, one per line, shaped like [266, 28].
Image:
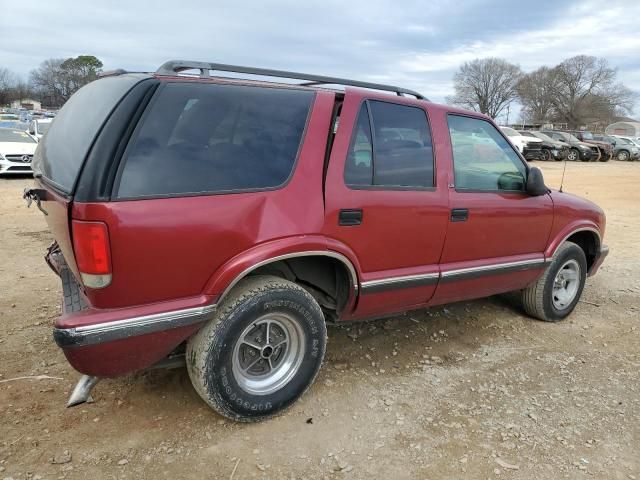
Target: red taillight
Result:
[93, 254]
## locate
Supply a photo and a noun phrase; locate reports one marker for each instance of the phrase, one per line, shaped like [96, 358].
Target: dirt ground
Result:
[471, 390]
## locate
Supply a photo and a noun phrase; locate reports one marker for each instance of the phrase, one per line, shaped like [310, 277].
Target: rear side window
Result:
[210, 138]
[63, 149]
[390, 147]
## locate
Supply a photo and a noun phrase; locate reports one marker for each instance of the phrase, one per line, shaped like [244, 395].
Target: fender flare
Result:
[235, 269]
[566, 232]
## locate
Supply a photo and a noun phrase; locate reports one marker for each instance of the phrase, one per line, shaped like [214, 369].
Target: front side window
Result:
[390, 147]
[483, 159]
[209, 138]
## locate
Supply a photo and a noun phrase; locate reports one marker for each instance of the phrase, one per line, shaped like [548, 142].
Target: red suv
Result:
[227, 220]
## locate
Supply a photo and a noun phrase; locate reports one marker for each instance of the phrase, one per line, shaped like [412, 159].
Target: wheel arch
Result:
[586, 237]
[305, 260]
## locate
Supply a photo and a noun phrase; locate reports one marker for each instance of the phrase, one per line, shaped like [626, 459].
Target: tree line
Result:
[52, 83]
[579, 91]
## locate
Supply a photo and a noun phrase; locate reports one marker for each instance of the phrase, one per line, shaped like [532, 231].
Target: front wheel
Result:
[574, 155]
[260, 352]
[554, 296]
[623, 156]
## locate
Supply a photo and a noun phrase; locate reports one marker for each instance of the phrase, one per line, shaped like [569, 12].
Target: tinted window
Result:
[483, 159]
[62, 151]
[359, 165]
[399, 153]
[200, 138]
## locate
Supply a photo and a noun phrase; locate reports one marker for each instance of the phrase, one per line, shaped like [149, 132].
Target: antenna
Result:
[564, 169]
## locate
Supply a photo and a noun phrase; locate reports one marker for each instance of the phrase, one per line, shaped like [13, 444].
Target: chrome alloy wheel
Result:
[268, 354]
[566, 284]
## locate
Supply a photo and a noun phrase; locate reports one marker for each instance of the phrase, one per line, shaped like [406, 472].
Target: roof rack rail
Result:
[174, 67]
[111, 73]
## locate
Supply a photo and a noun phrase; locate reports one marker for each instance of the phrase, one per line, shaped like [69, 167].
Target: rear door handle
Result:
[350, 218]
[459, 215]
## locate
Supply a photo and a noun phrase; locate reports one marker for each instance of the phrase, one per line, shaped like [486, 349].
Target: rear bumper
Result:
[113, 342]
[127, 327]
[600, 256]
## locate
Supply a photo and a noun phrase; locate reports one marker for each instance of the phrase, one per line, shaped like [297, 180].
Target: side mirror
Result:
[535, 183]
[32, 131]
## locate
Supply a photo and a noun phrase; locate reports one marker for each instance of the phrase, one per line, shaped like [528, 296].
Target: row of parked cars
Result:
[19, 136]
[573, 145]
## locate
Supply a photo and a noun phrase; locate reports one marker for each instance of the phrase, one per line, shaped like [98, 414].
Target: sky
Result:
[414, 44]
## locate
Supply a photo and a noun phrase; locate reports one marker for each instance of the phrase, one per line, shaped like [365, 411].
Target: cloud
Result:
[414, 43]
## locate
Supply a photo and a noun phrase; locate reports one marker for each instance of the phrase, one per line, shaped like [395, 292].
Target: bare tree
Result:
[585, 88]
[486, 85]
[7, 83]
[536, 91]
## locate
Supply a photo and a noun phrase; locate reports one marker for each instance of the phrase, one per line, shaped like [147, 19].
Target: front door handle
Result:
[350, 218]
[459, 215]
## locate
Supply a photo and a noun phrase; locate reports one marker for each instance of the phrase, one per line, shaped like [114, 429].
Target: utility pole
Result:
[508, 109]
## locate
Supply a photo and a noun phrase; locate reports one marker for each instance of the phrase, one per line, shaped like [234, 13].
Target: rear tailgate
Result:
[63, 150]
[56, 208]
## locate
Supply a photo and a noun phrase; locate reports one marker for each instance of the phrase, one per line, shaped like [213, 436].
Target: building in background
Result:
[625, 129]
[27, 103]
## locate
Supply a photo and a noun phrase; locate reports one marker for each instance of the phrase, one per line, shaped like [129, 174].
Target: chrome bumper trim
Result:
[130, 327]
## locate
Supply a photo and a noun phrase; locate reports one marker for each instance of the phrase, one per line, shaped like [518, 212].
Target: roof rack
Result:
[111, 73]
[174, 67]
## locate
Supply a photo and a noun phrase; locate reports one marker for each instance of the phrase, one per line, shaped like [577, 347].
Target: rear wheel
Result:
[261, 351]
[546, 155]
[554, 296]
[574, 155]
[623, 156]
[605, 157]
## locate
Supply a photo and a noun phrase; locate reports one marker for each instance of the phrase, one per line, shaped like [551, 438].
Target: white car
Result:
[519, 141]
[16, 151]
[39, 126]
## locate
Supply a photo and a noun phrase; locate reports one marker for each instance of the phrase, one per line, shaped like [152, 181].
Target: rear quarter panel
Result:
[168, 248]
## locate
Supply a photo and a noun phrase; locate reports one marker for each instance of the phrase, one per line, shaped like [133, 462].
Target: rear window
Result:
[210, 138]
[62, 151]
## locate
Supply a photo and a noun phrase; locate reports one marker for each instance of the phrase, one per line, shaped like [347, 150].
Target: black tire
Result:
[623, 156]
[211, 352]
[546, 155]
[574, 155]
[538, 298]
[605, 157]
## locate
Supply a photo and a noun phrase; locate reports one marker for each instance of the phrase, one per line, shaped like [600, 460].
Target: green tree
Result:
[57, 79]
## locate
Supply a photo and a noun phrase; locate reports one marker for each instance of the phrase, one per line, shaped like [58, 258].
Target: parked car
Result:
[605, 148]
[530, 147]
[39, 126]
[578, 150]
[551, 149]
[231, 218]
[623, 149]
[16, 151]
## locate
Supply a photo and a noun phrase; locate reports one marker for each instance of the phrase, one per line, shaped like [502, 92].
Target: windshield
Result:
[15, 136]
[570, 137]
[542, 136]
[510, 132]
[626, 141]
[8, 117]
[587, 135]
